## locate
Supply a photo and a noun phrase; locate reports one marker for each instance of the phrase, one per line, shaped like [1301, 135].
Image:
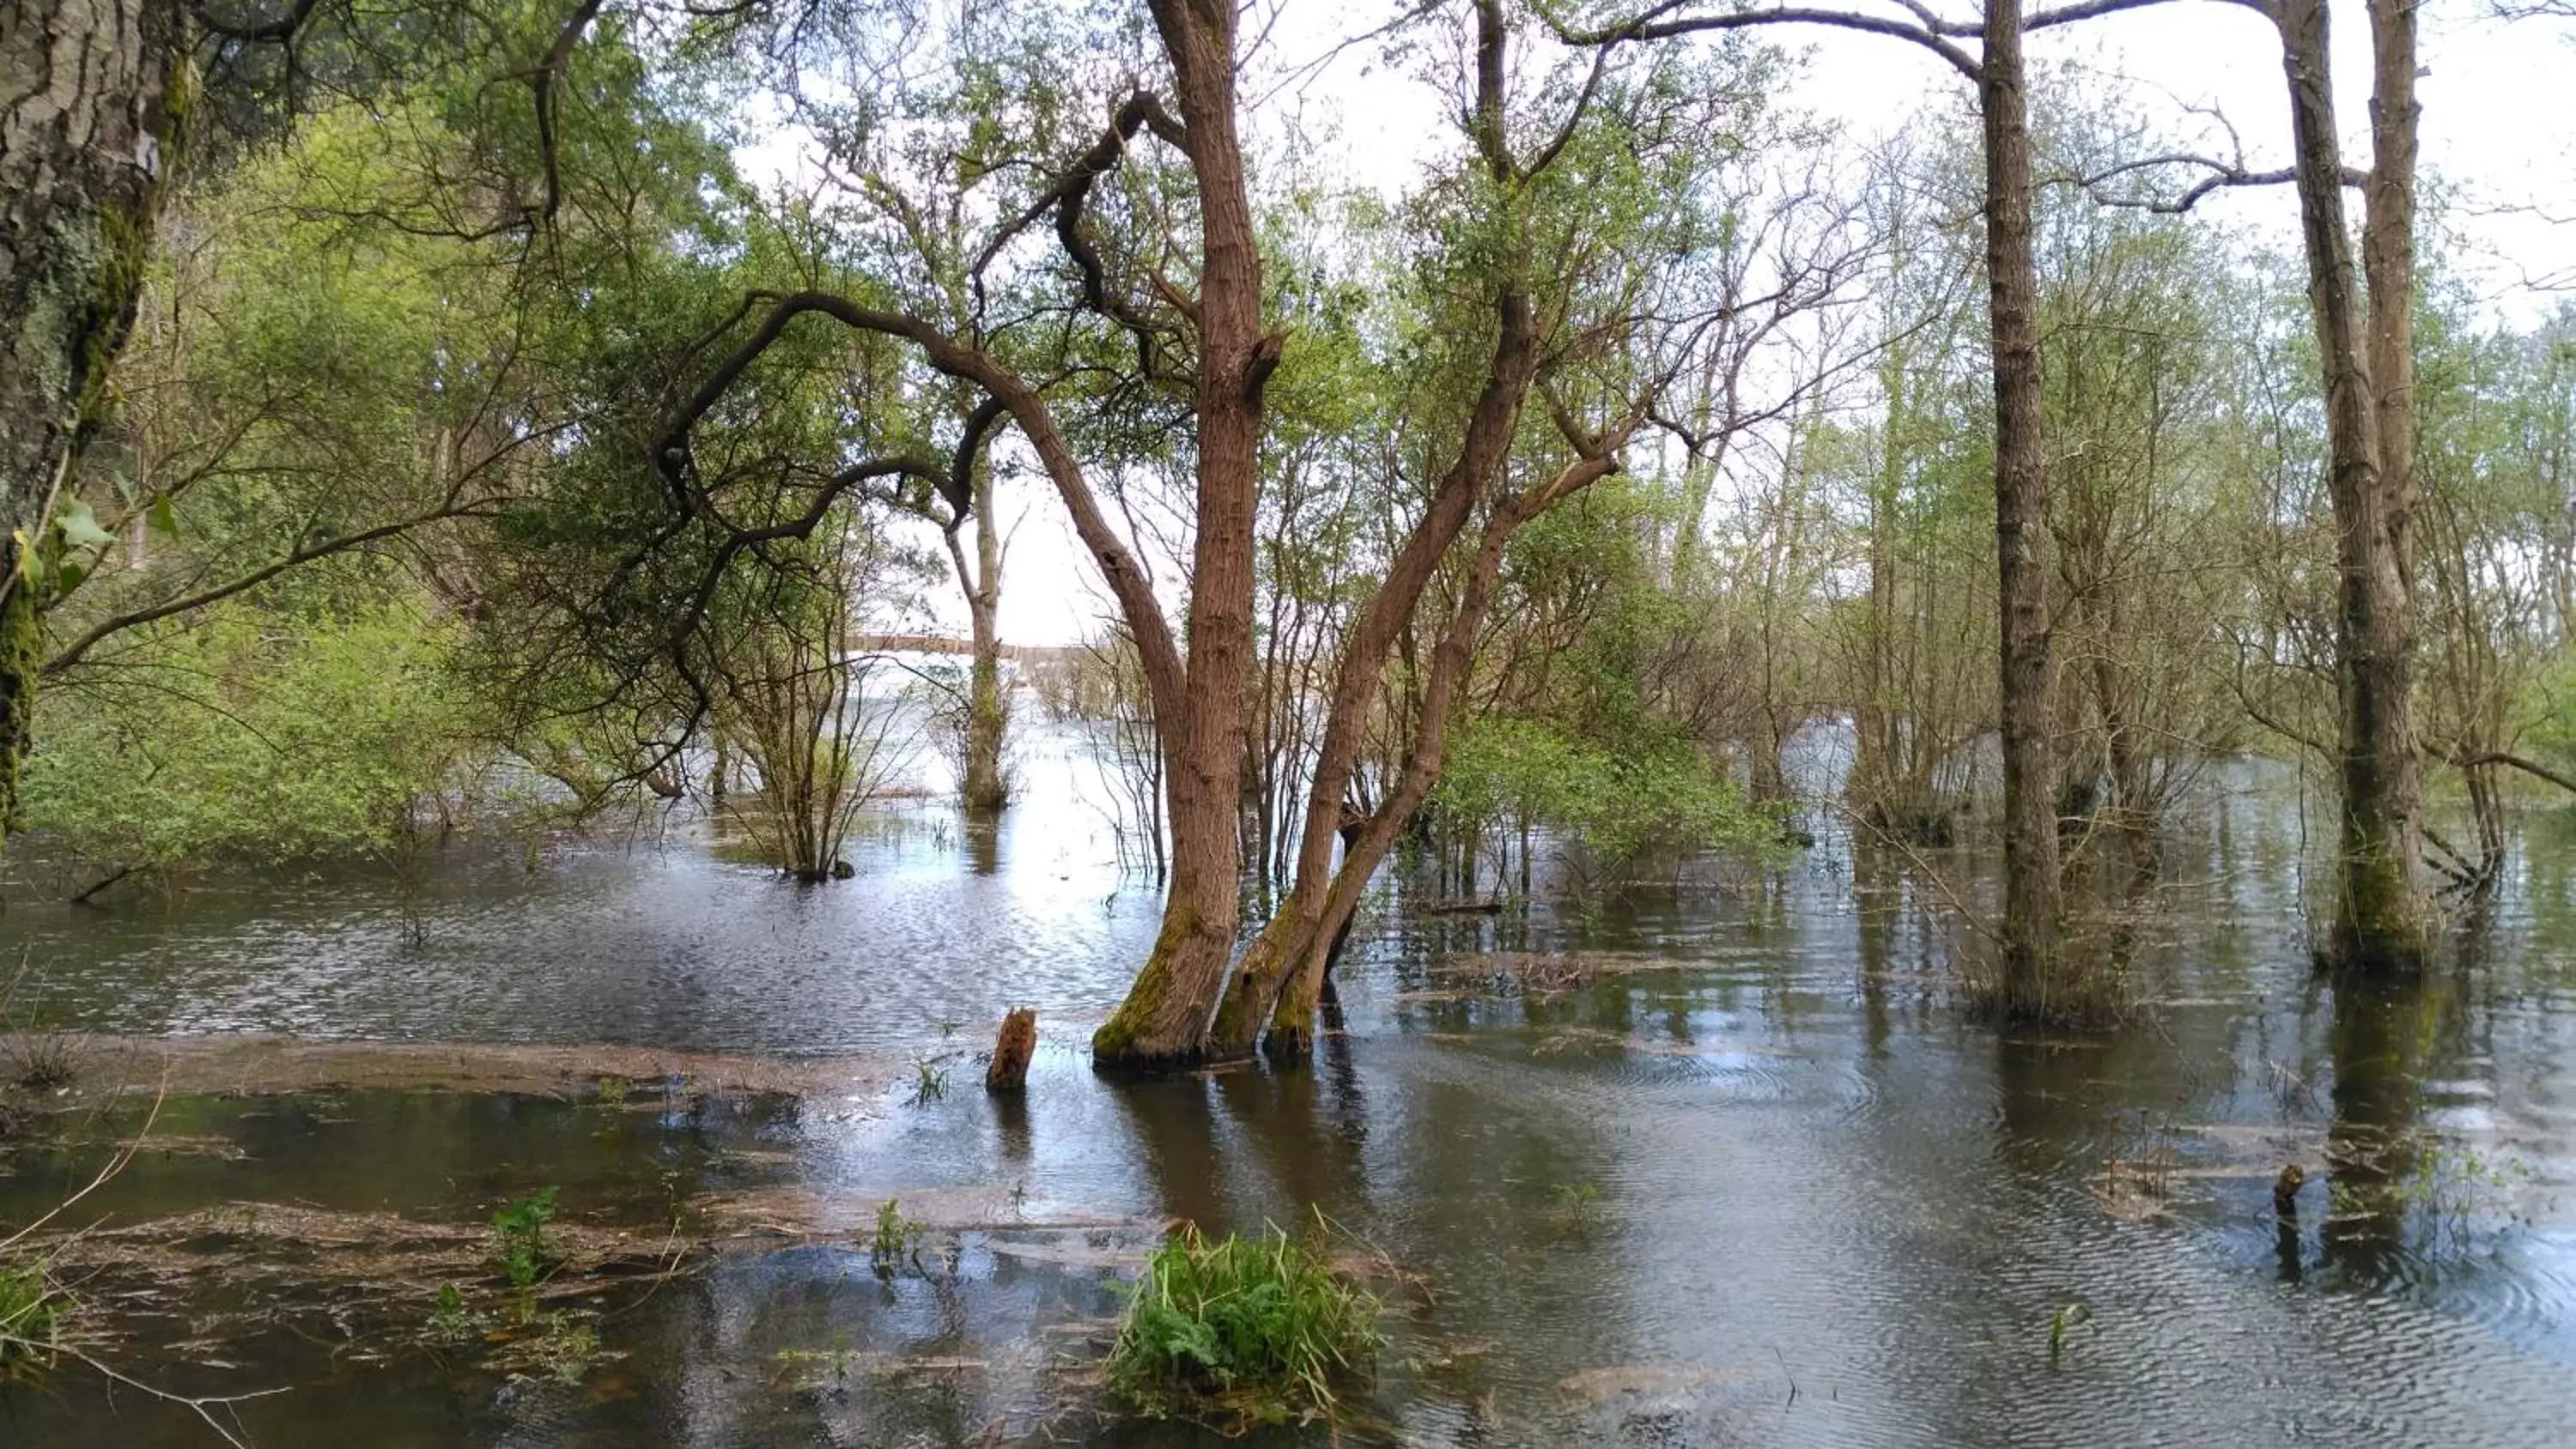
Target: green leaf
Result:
[80, 526]
[164, 518]
[67, 577]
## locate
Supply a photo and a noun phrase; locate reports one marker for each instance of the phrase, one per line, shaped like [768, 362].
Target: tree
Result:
[102, 101]
[2031, 965]
[2379, 922]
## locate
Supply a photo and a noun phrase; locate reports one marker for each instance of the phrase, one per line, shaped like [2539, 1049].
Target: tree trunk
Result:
[88, 92]
[1305, 942]
[1290, 939]
[2379, 921]
[988, 718]
[2021, 528]
[1164, 1020]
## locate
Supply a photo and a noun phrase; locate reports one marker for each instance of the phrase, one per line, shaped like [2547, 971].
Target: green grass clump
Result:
[31, 1318]
[1241, 1331]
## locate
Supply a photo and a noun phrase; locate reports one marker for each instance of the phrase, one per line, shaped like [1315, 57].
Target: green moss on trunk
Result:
[21, 659]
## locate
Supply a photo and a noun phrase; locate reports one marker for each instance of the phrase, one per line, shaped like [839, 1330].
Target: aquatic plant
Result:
[896, 1243]
[451, 1322]
[1238, 1331]
[32, 1310]
[2065, 1320]
[1577, 1207]
[519, 1230]
[562, 1346]
[929, 1081]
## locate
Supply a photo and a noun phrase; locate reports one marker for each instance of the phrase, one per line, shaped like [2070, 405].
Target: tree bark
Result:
[988, 718]
[89, 90]
[1164, 1020]
[2379, 920]
[2021, 528]
[1306, 943]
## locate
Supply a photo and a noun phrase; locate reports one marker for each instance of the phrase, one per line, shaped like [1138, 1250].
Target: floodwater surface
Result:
[1713, 1163]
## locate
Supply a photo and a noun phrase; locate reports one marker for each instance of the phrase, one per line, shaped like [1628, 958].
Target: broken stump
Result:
[1009, 1071]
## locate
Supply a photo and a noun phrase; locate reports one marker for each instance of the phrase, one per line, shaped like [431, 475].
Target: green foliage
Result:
[1623, 803]
[1577, 1209]
[1241, 1330]
[32, 1315]
[560, 1344]
[2064, 1321]
[519, 1238]
[929, 1081]
[451, 1322]
[896, 1242]
[252, 737]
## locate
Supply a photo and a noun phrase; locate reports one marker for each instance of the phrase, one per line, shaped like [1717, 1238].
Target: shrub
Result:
[1241, 1330]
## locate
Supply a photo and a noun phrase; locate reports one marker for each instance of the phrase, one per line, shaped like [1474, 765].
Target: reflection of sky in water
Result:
[1807, 1170]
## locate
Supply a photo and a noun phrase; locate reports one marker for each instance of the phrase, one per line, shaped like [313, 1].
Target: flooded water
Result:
[1747, 1177]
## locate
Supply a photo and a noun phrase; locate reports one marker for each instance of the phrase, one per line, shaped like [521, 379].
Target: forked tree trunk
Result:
[1300, 931]
[1289, 938]
[1305, 944]
[86, 104]
[2021, 529]
[1164, 1020]
[2379, 921]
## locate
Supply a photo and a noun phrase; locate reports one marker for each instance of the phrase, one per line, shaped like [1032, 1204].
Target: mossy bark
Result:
[90, 95]
[2380, 922]
[2031, 959]
[1199, 716]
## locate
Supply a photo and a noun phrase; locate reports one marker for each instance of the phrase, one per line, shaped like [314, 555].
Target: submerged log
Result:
[1009, 1071]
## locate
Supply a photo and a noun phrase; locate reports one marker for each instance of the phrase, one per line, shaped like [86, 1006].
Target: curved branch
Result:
[72, 653]
[2221, 175]
[1126, 578]
[1067, 197]
[1664, 22]
[2532, 768]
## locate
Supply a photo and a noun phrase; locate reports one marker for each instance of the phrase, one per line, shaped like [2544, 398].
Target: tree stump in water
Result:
[2285, 1192]
[1018, 1042]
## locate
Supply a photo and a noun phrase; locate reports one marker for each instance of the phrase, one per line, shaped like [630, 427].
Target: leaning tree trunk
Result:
[2379, 920]
[2021, 528]
[1308, 947]
[1164, 1020]
[88, 92]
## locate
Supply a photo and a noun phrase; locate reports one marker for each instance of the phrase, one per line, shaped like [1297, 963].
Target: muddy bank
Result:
[262, 1065]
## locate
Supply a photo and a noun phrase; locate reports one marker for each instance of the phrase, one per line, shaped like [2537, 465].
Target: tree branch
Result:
[1663, 22]
[72, 653]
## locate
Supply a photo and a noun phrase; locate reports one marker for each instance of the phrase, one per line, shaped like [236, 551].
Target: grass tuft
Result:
[32, 1311]
[1235, 1331]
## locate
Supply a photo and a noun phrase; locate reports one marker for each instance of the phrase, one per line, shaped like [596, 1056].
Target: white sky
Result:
[2499, 123]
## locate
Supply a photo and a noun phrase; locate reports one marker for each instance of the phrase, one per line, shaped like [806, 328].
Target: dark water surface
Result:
[1752, 1179]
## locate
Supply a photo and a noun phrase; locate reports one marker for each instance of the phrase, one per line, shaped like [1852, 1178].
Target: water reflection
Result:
[1750, 1180]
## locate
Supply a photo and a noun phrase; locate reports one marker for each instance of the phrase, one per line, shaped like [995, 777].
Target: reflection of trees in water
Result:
[2376, 1042]
[2400, 1190]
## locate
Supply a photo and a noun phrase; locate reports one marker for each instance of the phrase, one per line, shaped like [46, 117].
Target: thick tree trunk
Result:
[1299, 932]
[2380, 920]
[1164, 1020]
[87, 98]
[2021, 528]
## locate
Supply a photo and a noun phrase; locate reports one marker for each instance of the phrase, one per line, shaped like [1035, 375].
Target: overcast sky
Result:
[2499, 103]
